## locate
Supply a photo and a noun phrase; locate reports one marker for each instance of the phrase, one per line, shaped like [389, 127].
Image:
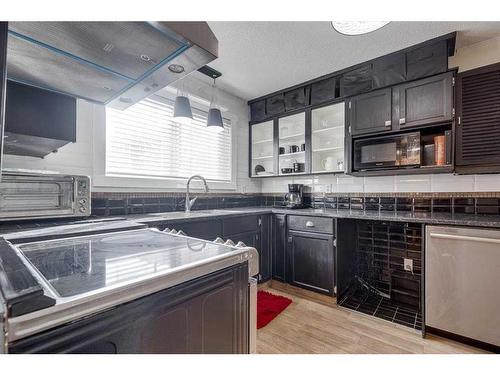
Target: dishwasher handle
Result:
[464, 238]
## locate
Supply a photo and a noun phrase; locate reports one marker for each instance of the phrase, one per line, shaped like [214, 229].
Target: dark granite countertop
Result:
[490, 221]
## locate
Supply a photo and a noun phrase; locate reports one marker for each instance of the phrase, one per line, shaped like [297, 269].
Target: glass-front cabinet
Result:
[307, 142]
[262, 149]
[327, 139]
[292, 144]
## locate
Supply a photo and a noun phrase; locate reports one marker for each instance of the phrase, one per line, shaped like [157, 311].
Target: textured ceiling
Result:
[257, 58]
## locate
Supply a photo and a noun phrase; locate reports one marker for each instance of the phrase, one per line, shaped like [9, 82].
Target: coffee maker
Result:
[294, 198]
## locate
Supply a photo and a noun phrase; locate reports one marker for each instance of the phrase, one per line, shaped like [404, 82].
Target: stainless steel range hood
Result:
[113, 63]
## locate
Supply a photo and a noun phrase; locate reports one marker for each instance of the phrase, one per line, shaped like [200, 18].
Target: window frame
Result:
[130, 183]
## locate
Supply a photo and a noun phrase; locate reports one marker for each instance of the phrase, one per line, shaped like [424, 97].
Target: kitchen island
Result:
[132, 291]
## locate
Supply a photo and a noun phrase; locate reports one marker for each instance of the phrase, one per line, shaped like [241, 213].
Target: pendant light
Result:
[214, 120]
[182, 106]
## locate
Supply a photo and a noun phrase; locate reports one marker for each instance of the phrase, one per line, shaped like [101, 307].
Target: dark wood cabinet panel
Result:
[258, 110]
[371, 112]
[389, 70]
[427, 60]
[356, 81]
[279, 248]
[240, 224]
[205, 229]
[275, 105]
[311, 261]
[427, 101]
[324, 91]
[296, 98]
[478, 125]
[41, 113]
[206, 315]
[252, 230]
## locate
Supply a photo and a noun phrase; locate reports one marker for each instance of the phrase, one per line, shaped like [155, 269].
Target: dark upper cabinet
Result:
[38, 121]
[356, 81]
[427, 60]
[275, 105]
[426, 101]
[389, 70]
[296, 98]
[370, 113]
[258, 110]
[478, 125]
[310, 261]
[279, 248]
[324, 90]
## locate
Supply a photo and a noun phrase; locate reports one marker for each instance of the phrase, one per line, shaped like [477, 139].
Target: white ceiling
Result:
[257, 58]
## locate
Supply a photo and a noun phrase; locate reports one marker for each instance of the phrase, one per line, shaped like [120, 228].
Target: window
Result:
[145, 141]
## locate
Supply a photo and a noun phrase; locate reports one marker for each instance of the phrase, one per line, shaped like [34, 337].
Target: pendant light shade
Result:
[182, 109]
[214, 120]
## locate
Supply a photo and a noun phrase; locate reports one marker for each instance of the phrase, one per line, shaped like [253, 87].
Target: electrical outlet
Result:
[408, 265]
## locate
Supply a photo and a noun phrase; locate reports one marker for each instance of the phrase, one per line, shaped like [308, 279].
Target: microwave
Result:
[387, 152]
[35, 195]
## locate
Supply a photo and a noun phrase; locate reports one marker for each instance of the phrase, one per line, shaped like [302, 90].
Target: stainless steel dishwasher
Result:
[462, 282]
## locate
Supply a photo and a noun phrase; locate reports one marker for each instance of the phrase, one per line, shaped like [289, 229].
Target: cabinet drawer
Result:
[240, 224]
[311, 224]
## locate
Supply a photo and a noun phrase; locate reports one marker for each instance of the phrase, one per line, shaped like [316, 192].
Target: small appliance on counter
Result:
[26, 194]
[294, 197]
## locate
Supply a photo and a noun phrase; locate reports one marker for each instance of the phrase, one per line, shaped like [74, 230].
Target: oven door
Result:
[387, 152]
[24, 196]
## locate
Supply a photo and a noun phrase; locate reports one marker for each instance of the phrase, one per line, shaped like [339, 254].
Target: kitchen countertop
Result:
[489, 221]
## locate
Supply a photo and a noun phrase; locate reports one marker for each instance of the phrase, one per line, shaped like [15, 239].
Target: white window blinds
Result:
[145, 141]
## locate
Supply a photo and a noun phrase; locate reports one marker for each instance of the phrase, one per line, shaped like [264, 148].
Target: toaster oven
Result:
[32, 195]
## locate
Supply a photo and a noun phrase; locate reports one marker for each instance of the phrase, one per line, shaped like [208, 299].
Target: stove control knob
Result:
[83, 209]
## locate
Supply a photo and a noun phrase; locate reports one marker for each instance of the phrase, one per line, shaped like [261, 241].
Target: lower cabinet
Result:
[206, 315]
[310, 261]
[279, 248]
[253, 230]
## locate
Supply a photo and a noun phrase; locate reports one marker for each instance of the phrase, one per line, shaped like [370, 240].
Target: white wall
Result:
[86, 156]
[469, 57]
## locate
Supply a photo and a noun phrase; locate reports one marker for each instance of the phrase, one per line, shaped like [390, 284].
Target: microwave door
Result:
[375, 155]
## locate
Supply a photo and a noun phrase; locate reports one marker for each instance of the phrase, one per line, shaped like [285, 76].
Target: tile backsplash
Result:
[387, 184]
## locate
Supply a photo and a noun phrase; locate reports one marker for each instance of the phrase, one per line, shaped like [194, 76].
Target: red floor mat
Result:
[269, 306]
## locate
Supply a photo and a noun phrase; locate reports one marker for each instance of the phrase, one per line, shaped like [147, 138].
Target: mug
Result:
[303, 147]
[294, 148]
[328, 164]
[282, 150]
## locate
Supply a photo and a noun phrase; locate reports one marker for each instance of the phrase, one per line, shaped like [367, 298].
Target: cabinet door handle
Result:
[388, 123]
[309, 224]
[402, 120]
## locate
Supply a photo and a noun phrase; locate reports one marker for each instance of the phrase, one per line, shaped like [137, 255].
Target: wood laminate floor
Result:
[308, 326]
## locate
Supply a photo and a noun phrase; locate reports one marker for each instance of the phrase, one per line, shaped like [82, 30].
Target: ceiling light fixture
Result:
[182, 106]
[214, 120]
[357, 27]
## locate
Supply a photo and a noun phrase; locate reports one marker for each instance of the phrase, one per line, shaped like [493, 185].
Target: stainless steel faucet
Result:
[189, 203]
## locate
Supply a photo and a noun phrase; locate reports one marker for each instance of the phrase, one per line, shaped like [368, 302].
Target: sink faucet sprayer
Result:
[189, 203]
